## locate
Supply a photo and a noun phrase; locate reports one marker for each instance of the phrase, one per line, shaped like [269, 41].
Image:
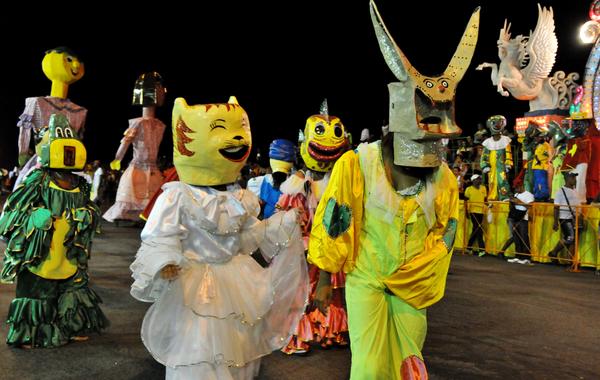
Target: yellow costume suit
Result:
[395, 250]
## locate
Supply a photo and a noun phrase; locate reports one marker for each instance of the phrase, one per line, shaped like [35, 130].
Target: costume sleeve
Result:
[333, 243]
[508, 160]
[484, 162]
[26, 123]
[161, 246]
[422, 281]
[128, 137]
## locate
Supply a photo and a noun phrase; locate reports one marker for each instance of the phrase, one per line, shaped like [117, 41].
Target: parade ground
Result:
[497, 321]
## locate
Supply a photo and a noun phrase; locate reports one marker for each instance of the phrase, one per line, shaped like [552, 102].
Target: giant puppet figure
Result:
[216, 311]
[62, 67]
[388, 217]
[49, 222]
[325, 141]
[496, 159]
[142, 178]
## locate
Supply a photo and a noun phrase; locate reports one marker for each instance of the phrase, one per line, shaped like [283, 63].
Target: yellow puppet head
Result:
[211, 142]
[422, 107]
[324, 140]
[62, 65]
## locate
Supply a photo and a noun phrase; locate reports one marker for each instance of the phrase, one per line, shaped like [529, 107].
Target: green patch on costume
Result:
[450, 233]
[336, 218]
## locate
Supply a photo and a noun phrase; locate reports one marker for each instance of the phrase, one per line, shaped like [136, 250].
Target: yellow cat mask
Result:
[211, 142]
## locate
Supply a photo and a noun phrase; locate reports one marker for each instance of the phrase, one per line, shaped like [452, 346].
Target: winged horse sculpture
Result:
[526, 62]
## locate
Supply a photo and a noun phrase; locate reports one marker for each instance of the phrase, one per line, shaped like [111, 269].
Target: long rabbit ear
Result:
[394, 57]
[466, 48]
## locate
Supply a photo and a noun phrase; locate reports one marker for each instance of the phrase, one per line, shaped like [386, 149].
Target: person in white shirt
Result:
[519, 219]
[565, 214]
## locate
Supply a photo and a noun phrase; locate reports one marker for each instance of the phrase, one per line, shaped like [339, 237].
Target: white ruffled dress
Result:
[224, 311]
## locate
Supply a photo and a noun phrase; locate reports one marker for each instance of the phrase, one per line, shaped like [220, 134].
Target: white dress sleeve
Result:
[161, 245]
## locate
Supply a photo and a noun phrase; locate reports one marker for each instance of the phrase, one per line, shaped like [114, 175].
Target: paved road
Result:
[497, 321]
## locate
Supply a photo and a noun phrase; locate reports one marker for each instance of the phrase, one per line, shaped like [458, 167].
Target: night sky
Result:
[279, 58]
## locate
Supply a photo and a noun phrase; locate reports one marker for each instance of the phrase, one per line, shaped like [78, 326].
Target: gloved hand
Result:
[115, 164]
[486, 170]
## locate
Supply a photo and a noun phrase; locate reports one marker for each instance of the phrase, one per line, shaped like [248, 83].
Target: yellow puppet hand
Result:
[115, 164]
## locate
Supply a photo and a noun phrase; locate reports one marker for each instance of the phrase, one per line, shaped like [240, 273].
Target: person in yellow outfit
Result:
[541, 161]
[476, 195]
[388, 218]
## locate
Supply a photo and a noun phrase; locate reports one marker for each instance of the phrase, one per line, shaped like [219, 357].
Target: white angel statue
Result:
[526, 62]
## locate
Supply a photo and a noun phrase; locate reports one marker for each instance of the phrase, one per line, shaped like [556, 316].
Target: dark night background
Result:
[279, 58]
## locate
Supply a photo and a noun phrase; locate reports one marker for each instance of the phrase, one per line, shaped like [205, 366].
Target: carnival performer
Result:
[539, 165]
[497, 159]
[216, 311]
[63, 67]
[578, 153]
[388, 217]
[49, 222]
[142, 178]
[282, 154]
[558, 142]
[324, 142]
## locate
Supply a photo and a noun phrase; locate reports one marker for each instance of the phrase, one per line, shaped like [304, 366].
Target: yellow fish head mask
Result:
[211, 142]
[325, 141]
[62, 65]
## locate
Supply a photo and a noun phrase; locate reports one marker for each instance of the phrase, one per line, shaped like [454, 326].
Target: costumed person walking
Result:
[497, 159]
[388, 218]
[142, 178]
[49, 222]
[63, 67]
[215, 310]
[324, 143]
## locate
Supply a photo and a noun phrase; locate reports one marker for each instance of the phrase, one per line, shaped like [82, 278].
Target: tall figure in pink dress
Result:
[142, 178]
[63, 67]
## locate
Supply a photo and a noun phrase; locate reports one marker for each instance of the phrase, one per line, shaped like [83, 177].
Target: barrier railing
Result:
[585, 251]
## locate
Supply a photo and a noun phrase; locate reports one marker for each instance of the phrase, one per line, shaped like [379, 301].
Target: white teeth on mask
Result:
[233, 150]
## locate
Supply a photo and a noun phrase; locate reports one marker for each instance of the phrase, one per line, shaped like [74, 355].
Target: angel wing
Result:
[541, 48]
